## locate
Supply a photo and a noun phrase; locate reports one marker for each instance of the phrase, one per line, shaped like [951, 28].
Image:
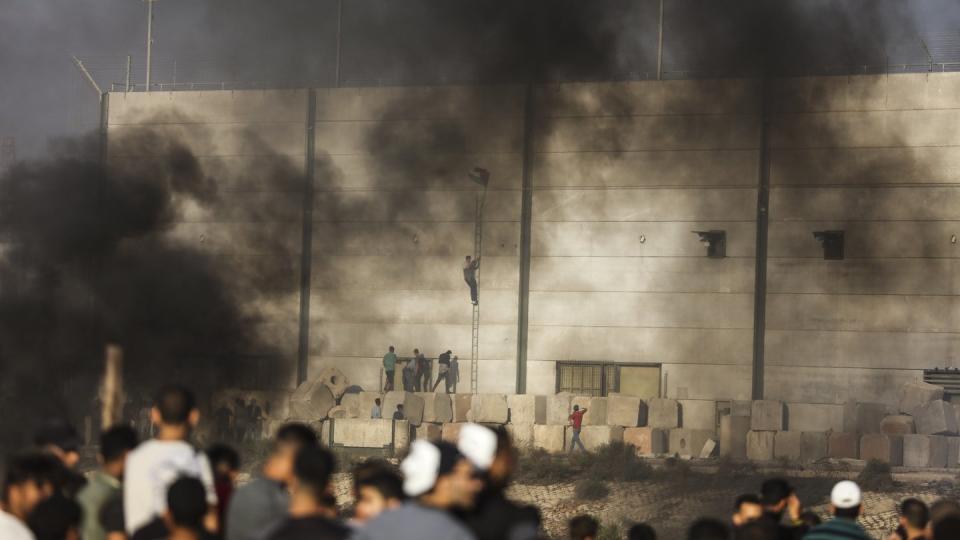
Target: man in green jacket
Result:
[104, 485]
[846, 504]
[389, 368]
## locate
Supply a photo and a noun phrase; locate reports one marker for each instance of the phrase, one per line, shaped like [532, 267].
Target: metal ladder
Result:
[475, 336]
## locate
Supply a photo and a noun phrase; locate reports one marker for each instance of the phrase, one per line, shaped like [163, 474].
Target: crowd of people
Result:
[416, 371]
[164, 488]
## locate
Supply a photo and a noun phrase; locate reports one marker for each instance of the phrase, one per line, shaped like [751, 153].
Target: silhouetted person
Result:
[708, 529]
[912, 521]
[59, 439]
[641, 531]
[941, 510]
[778, 498]
[409, 374]
[389, 368]
[56, 518]
[454, 373]
[186, 509]
[398, 414]
[376, 411]
[225, 462]
[422, 376]
[846, 504]
[584, 528]
[470, 268]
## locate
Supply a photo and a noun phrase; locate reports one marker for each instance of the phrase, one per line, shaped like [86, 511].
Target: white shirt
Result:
[12, 528]
[150, 470]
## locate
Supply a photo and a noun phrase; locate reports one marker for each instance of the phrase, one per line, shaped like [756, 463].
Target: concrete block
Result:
[740, 408]
[527, 409]
[429, 431]
[760, 445]
[766, 415]
[335, 380]
[647, 440]
[914, 395]
[594, 437]
[401, 436]
[885, 448]
[489, 409]
[558, 408]
[709, 448]
[461, 406]
[925, 451]
[340, 412]
[437, 407]
[842, 445]
[787, 445]
[450, 432]
[956, 409]
[688, 442]
[625, 411]
[362, 432]
[863, 417]
[698, 414]
[351, 402]
[549, 437]
[953, 452]
[733, 436]
[521, 434]
[596, 409]
[311, 401]
[813, 417]
[663, 413]
[813, 446]
[897, 424]
[936, 418]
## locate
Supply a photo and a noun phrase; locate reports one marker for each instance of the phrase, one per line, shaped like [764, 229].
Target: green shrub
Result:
[591, 489]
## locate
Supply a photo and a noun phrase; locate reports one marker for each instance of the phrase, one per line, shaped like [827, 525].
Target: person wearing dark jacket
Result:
[846, 503]
[494, 516]
[778, 498]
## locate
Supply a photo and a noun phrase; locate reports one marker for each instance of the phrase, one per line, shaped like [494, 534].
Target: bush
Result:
[618, 462]
[591, 489]
[540, 468]
[876, 476]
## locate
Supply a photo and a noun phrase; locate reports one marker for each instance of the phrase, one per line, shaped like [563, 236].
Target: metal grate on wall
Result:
[948, 378]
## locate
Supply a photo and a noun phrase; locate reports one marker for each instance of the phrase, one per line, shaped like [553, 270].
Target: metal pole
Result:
[86, 74]
[127, 87]
[660, 44]
[149, 39]
[339, 37]
[760, 272]
[306, 241]
[526, 217]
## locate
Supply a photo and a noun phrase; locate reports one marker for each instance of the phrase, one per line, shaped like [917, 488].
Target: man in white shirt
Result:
[157, 463]
[30, 479]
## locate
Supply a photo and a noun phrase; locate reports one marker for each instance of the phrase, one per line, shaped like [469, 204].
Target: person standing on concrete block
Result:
[470, 268]
[439, 481]
[576, 420]
[375, 412]
[398, 414]
[424, 372]
[454, 376]
[409, 374]
[443, 368]
[389, 368]
[846, 504]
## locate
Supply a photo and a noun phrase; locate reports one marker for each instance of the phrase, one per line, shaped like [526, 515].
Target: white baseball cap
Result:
[845, 494]
[478, 444]
[420, 468]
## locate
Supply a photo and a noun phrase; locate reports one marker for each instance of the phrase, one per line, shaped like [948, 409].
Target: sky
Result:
[276, 42]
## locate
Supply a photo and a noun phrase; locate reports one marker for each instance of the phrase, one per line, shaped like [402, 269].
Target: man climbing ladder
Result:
[470, 276]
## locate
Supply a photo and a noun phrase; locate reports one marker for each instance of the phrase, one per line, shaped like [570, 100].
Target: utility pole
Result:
[339, 38]
[126, 87]
[149, 39]
[660, 44]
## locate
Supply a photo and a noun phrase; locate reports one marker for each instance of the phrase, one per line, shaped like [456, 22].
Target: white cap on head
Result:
[478, 444]
[845, 494]
[420, 468]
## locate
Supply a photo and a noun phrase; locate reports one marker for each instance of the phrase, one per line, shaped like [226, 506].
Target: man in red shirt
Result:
[576, 419]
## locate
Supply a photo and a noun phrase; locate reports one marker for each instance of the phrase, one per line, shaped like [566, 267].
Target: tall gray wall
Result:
[612, 163]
